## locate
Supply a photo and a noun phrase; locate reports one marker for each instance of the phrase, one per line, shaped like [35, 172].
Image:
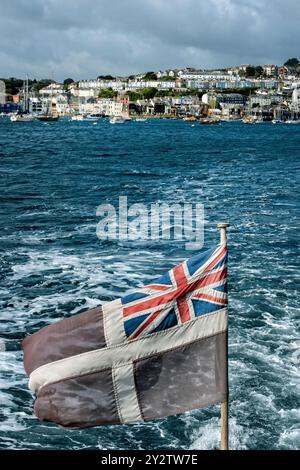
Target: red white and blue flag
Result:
[193, 288]
[158, 351]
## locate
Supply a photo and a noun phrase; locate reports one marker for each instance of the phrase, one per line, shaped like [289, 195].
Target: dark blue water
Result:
[53, 177]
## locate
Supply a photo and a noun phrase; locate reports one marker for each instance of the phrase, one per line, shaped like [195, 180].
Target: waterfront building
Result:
[260, 100]
[231, 99]
[9, 107]
[36, 105]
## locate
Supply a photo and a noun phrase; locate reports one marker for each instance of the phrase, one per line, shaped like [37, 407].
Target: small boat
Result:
[22, 117]
[77, 117]
[293, 121]
[47, 117]
[84, 117]
[209, 121]
[91, 117]
[140, 119]
[117, 120]
[190, 119]
[277, 121]
[250, 120]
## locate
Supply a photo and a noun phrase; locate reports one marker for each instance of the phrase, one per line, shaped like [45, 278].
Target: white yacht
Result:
[117, 120]
[84, 117]
[22, 117]
[91, 117]
[77, 117]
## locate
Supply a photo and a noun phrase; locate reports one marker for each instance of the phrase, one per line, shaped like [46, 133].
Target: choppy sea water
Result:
[52, 265]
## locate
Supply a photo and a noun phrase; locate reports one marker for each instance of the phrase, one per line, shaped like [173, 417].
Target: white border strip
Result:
[125, 393]
[121, 354]
[113, 323]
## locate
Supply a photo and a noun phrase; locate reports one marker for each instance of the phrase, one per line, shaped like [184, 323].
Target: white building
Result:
[164, 85]
[135, 85]
[36, 106]
[261, 100]
[198, 84]
[52, 90]
[204, 76]
[115, 108]
[84, 92]
[270, 70]
[110, 107]
[296, 97]
[117, 84]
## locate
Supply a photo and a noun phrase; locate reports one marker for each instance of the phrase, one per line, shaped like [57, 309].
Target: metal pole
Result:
[224, 406]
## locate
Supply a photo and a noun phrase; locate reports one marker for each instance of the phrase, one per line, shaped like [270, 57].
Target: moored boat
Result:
[250, 120]
[84, 117]
[77, 117]
[190, 119]
[47, 117]
[209, 121]
[116, 120]
[293, 121]
[22, 117]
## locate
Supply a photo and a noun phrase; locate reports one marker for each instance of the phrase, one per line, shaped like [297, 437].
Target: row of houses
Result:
[269, 70]
[89, 88]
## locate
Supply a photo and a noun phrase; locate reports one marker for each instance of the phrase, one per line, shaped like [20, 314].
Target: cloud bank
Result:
[86, 38]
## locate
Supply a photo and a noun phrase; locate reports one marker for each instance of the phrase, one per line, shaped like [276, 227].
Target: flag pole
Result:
[224, 405]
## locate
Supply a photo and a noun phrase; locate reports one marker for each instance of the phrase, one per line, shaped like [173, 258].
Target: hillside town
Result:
[248, 92]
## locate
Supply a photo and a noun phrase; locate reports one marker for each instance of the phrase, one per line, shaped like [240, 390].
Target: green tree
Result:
[41, 84]
[162, 93]
[134, 95]
[250, 71]
[259, 71]
[166, 78]
[105, 77]
[148, 93]
[150, 76]
[12, 85]
[107, 93]
[67, 82]
[292, 63]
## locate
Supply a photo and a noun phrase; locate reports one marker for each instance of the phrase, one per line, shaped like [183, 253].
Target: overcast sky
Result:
[86, 38]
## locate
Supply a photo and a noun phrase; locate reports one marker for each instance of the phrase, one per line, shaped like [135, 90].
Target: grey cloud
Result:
[84, 38]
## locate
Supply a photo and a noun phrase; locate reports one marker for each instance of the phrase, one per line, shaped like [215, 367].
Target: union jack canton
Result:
[196, 287]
